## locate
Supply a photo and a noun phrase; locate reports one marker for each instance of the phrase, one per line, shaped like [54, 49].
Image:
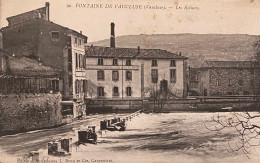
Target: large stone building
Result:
[228, 78]
[125, 73]
[33, 36]
[131, 73]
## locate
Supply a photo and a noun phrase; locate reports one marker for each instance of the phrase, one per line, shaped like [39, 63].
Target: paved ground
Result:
[172, 137]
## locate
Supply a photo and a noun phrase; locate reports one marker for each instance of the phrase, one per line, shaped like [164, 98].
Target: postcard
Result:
[123, 81]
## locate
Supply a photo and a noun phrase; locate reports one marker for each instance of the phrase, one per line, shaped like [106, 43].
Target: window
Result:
[164, 85]
[100, 75]
[115, 76]
[154, 63]
[55, 85]
[76, 40]
[115, 62]
[240, 71]
[240, 82]
[80, 61]
[154, 76]
[218, 83]
[55, 35]
[128, 75]
[76, 60]
[128, 91]
[173, 76]
[128, 62]
[77, 86]
[229, 82]
[79, 41]
[100, 61]
[173, 63]
[84, 61]
[100, 91]
[115, 91]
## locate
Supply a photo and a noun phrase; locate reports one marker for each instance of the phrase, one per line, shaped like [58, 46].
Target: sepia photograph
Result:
[129, 81]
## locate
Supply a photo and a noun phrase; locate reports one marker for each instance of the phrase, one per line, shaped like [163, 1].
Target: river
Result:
[167, 137]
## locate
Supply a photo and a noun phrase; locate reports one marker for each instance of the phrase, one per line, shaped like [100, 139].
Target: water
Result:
[172, 137]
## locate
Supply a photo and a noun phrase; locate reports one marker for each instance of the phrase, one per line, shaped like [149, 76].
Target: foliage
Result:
[160, 97]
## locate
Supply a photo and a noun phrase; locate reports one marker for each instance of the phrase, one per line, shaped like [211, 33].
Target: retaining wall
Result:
[29, 111]
[196, 104]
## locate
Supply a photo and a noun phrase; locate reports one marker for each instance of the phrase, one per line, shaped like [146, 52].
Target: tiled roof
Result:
[109, 52]
[230, 64]
[29, 67]
[26, 67]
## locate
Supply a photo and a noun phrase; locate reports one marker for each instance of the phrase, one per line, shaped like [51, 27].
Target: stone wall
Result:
[196, 104]
[29, 111]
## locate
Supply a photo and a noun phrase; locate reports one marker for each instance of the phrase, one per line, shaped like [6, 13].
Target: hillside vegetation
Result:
[198, 47]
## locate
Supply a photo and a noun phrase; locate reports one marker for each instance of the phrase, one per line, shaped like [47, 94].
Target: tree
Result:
[160, 97]
[246, 124]
[91, 89]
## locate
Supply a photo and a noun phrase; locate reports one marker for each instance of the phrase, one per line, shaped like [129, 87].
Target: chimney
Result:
[80, 32]
[179, 53]
[112, 38]
[138, 49]
[47, 6]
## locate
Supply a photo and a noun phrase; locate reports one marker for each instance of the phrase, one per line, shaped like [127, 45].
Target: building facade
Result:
[128, 73]
[229, 78]
[32, 35]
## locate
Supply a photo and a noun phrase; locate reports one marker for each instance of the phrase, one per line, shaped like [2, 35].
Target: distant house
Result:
[229, 78]
[33, 37]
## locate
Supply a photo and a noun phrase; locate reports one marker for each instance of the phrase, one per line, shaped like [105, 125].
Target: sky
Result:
[175, 16]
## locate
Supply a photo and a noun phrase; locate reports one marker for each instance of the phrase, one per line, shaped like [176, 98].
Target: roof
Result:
[28, 67]
[46, 21]
[111, 52]
[230, 64]
[28, 13]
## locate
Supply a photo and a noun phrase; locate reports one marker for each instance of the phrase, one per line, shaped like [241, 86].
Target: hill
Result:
[198, 47]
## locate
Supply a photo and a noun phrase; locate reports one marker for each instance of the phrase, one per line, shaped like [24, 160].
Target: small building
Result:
[33, 36]
[30, 94]
[229, 78]
[24, 75]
